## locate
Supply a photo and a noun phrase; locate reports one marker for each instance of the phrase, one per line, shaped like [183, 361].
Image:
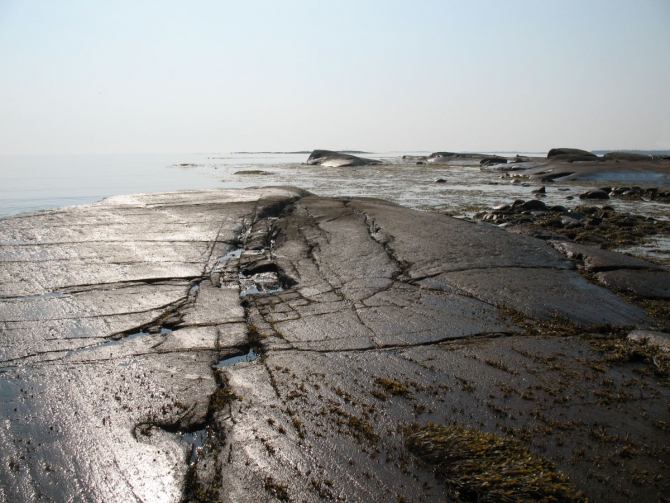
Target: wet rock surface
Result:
[132, 330]
[646, 284]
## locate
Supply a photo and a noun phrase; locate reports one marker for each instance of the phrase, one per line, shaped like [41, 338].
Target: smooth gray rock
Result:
[309, 421]
[555, 152]
[90, 294]
[655, 171]
[442, 243]
[647, 284]
[542, 294]
[337, 159]
[106, 371]
[596, 260]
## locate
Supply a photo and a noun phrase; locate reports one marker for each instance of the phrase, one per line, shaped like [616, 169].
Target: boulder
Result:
[491, 161]
[337, 159]
[569, 151]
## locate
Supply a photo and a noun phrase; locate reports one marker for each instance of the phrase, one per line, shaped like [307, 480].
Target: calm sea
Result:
[35, 182]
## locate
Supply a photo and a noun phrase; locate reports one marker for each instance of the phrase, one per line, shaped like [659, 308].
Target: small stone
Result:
[440, 180]
[541, 190]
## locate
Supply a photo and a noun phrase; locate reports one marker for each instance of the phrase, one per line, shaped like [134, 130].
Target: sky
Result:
[94, 77]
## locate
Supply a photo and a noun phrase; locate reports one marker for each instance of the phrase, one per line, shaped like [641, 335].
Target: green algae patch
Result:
[478, 466]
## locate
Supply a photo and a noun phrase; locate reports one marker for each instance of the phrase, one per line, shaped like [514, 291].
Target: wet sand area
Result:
[268, 344]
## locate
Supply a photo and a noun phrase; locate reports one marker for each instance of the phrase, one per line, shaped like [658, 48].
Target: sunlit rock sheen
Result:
[130, 366]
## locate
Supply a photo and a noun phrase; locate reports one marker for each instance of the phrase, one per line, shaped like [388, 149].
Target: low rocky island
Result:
[269, 344]
[337, 159]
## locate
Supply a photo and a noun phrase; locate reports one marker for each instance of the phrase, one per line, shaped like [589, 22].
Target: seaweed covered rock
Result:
[480, 466]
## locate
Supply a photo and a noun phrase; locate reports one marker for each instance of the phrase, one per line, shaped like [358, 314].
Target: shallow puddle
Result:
[198, 440]
[245, 358]
[264, 282]
[231, 254]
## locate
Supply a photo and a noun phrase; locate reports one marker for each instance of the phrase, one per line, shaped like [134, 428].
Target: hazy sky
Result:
[214, 76]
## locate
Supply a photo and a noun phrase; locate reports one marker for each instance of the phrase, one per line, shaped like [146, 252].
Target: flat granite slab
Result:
[129, 366]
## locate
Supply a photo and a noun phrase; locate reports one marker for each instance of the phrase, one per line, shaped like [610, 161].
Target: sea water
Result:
[29, 183]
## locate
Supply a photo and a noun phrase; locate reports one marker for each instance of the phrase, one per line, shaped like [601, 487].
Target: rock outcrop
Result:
[132, 329]
[455, 158]
[556, 152]
[337, 159]
[627, 156]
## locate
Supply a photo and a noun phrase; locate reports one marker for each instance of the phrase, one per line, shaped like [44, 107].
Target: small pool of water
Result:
[248, 357]
[263, 282]
[197, 439]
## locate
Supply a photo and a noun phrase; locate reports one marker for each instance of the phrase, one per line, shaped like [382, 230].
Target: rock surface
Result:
[627, 156]
[655, 171]
[556, 152]
[121, 322]
[337, 159]
[455, 158]
[597, 260]
[646, 284]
